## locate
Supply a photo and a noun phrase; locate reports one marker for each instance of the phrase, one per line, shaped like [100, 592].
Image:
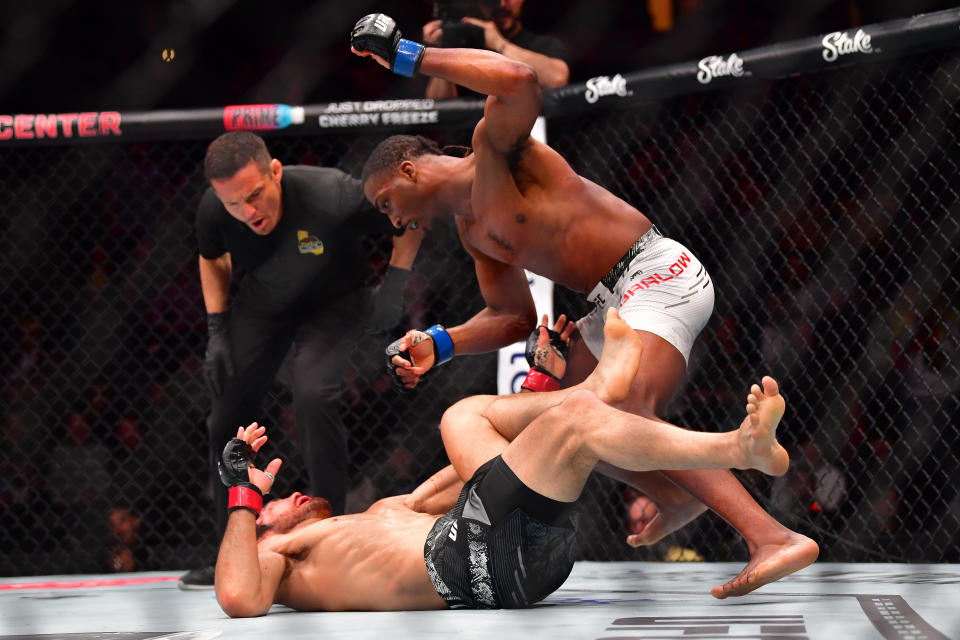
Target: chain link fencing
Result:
[825, 207]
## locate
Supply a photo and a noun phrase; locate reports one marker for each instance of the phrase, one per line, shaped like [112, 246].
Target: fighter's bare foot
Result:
[769, 563]
[758, 433]
[649, 523]
[619, 360]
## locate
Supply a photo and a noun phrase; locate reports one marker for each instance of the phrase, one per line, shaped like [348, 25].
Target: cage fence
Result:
[824, 204]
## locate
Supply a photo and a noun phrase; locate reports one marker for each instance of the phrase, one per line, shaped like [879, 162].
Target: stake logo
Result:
[838, 44]
[715, 66]
[606, 86]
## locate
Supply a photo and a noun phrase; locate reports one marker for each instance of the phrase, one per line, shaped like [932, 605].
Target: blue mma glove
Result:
[442, 351]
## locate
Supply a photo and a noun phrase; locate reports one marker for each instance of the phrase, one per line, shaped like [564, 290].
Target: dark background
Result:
[824, 203]
[60, 55]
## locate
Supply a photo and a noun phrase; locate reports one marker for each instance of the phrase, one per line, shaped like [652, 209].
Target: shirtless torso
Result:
[364, 561]
[530, 209]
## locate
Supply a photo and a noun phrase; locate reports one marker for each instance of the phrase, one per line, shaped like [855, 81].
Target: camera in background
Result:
[457, 34]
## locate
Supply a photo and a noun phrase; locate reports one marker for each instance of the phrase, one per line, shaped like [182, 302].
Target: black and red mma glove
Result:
[545, 370]
[233, 466]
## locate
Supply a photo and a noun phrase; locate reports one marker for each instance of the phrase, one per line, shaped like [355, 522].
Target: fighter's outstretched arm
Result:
[438, 493]
[514, 93]
[246, 578]
[510, 316]
[215, 282]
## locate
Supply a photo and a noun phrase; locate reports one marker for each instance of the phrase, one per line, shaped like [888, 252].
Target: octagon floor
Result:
[600, 600]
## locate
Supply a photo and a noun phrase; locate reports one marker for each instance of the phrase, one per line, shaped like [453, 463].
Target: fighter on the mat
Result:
[518, 205]
[506, 538]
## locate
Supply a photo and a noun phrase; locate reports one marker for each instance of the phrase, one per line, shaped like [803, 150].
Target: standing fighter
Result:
[525, 459]
[518, 204]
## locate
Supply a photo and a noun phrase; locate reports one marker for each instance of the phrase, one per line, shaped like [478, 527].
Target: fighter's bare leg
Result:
[716, 488]
[670, 506]
[788, 552]
[663, 506]
[610, 380]
[775, 551]
[555, 454]
[468, 436]
[478, 428]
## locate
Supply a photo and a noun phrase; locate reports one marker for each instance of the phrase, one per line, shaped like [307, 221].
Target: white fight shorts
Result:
[658, 286]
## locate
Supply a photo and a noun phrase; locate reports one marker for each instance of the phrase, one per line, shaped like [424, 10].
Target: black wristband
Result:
[217, 322]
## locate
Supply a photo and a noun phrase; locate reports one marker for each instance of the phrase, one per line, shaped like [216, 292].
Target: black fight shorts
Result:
[502, 546]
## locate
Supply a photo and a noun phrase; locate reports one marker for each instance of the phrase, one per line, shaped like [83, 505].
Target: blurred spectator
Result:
[884, 529]
[813, 489]
[495, 25]
[128, 460]
[679, 545]
[77, 483]
[125, 541]
[663, 13]
[77, 475]
[22, 442]
[886, 512]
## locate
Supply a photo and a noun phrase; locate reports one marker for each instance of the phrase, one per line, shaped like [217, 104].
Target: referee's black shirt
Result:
[314, 254]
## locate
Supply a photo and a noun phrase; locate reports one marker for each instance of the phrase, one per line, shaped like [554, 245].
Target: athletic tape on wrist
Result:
[407, 60]
[245, 497]
[540, 381]
[442, 344]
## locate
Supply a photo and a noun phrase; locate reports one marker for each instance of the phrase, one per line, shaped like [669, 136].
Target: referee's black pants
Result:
[322, 341]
